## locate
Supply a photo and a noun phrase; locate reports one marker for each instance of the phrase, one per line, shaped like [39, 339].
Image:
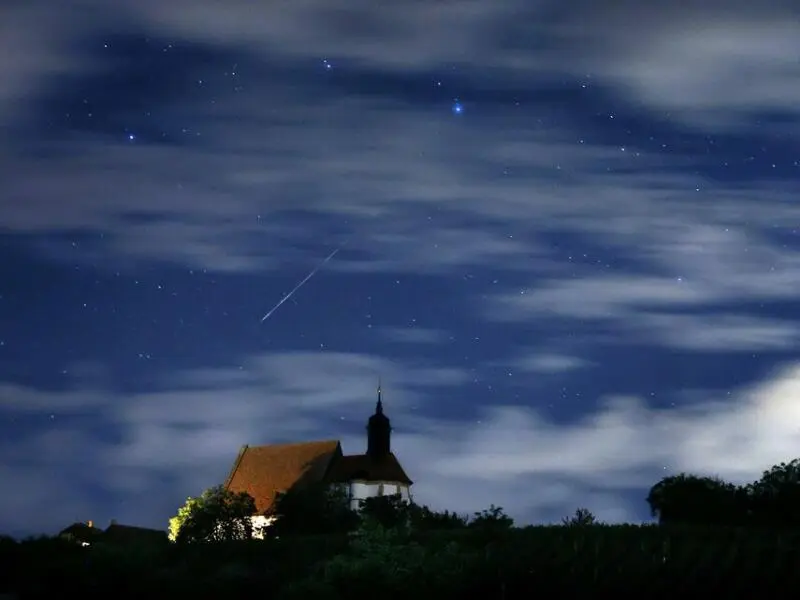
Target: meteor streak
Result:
[299, 285]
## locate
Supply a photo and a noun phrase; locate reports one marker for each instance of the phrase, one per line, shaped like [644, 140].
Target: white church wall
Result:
[361, 490]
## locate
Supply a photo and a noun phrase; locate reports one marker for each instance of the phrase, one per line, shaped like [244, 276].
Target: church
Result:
[264, 472]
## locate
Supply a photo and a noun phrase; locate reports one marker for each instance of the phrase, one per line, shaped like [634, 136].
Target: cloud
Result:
[721, 332]
[719, 72]
[403, 183]
[540, 362]
[391, 177]
[693, 61]
[414, 335]
[683, 275]
[162, 446]
[519, 459]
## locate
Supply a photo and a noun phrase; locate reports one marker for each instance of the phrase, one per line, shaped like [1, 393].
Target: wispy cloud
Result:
[719, 332]
[689, 60]
[414, 335]
[385, 171]
[541, 362]
[176, 442]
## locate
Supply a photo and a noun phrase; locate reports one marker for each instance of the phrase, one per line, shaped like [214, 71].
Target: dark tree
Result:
[583, 517]
[491, 519]
[690, 499]
[429, 520]
[394, 512]
[391, 512]
[312, 509]
[776, 496]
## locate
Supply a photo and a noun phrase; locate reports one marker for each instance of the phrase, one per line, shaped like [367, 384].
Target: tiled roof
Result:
[367, 468]
[262, 471]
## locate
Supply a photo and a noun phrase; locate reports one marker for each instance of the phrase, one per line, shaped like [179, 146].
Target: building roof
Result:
[82, 532]
[263, 471]
[125, 534]
[362, 467]
[114, 533]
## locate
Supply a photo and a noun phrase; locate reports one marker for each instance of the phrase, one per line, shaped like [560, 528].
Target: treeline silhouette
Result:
[771, 501]
[712, 537]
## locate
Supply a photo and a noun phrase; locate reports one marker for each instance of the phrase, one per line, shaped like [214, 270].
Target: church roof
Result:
[263, 471]
[367, 468]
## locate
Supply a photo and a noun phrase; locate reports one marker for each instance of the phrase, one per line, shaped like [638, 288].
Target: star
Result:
[457, 107]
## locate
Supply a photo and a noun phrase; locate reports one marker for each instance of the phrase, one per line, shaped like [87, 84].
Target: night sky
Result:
[567, 237]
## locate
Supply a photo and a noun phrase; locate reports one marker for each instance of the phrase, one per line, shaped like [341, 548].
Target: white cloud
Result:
[514, 456]
[174, 443]
[715, 61]
[414, 335]
[394, 179]
[712, 60]
[699, 266]
[721, 332]
[540, 362]
[719, 72]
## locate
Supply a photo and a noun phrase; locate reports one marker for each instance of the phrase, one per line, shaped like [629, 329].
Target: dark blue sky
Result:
[581, 281]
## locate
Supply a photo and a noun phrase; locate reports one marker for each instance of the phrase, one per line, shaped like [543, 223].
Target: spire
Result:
[379, 430]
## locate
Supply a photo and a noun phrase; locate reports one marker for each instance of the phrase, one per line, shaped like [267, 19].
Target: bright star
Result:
[458, 108]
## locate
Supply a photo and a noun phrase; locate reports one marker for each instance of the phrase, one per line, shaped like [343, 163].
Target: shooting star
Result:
[299, 285]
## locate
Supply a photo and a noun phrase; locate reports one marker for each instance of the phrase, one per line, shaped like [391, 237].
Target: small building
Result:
[87, 534]
[83, 533]
[264, 472]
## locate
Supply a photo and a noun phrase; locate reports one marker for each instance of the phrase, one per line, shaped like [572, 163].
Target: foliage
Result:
[773, 500]
[395, 512]
[582, 518]
[775, 496]
[578, 561]
[401, 549]
[687, 498]
[390, 512]
[385, 559]
[312, 509]
[491, 519]
[216, 515]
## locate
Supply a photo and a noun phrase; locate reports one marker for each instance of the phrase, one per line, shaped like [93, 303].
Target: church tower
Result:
[379, 431]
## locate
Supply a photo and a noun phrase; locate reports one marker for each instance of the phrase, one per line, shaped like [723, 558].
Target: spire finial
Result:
[379, 406]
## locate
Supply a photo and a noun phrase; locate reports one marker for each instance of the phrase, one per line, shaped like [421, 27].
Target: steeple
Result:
[379, 431]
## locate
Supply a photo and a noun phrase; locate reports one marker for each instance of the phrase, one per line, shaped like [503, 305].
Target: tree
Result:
[582, 518]
[216, 515]
[312, 509]
[424, 518]
[491, 519]
[390, 512]
[691, 499]
[776, 495]
[394, 512]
